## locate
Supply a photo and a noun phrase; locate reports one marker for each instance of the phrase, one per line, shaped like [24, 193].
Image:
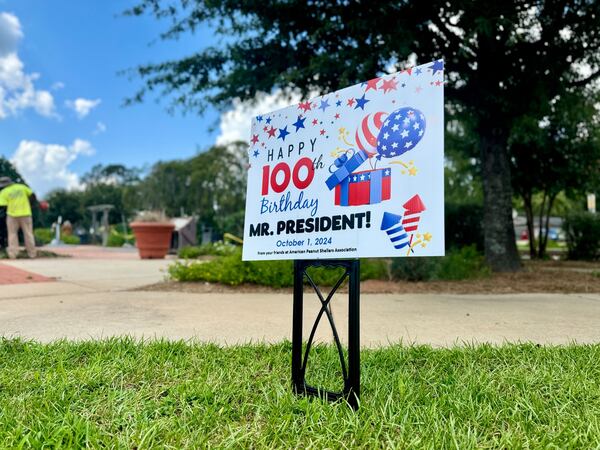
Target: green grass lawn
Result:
[127, 394]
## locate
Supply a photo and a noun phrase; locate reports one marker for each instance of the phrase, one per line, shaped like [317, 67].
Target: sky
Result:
[61, 94]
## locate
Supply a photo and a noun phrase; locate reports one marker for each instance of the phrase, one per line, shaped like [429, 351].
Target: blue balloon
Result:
[401, 132]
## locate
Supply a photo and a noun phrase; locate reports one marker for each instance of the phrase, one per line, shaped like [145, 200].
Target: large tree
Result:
[8, 170]
[560, 153]
[211, 185]
[504, 60]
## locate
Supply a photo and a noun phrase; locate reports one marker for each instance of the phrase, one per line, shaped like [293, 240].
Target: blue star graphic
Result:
[324, 105]
[256, 153]
[437, 65]
[419, 71]
[361, 102]
[259, 118]
[299, 123]
[338, 103]
[283, 132]
[268, 120]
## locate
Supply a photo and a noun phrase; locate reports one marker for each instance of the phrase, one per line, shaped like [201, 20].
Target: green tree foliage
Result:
[505, 60]
[66, 204]
[112, 184]
[560, 153]
[116, 174]
[211, 185]
[8, 170]
[462, 183]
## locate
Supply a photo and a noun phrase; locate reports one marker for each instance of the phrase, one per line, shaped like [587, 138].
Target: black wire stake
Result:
[351, 374]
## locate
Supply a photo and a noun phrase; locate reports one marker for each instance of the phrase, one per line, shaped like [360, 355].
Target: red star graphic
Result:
[315, 121]
[409, 70]
[322, 132]
[272, 131]
[254, 138]
[337, 116]
[438, 83]
[350, 102]
[372, 84]
[265, 128]
[305, 106]
[389, 85]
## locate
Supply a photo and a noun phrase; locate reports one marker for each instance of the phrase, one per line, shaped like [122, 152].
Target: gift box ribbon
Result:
[345, 166]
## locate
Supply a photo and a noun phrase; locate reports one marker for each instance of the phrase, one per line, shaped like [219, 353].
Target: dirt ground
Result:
[536, 277]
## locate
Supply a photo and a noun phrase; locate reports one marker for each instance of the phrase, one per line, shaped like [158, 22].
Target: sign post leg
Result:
[351, 375]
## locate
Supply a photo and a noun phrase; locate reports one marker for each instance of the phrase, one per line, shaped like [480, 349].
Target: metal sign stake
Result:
[351, 371]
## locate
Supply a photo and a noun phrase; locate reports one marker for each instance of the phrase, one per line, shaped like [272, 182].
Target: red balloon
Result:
[44, 205]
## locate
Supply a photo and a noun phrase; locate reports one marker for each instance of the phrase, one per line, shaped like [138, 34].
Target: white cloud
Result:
[100, 128]
[235, 124]
[10, 33]
[82, 106]
[17, 88]
[58, 86]
[46, 166]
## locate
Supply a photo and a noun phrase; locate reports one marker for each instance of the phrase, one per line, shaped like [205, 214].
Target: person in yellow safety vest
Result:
[17, 198]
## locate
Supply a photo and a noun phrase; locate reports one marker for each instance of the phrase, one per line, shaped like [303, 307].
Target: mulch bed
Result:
[536, 277]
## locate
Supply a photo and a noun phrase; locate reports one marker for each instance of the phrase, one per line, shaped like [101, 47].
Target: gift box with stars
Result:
[364, 188]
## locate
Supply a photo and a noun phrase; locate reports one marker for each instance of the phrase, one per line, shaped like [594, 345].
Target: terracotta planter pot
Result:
[152, 239]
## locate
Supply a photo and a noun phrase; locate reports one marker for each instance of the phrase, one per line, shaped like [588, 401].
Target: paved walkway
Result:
[91, 299]
[95, 252]
[14, 275]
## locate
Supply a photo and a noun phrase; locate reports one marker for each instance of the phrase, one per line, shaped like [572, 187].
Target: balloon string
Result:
[344, 140]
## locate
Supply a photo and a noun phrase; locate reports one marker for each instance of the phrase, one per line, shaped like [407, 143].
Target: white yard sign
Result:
[355, 173]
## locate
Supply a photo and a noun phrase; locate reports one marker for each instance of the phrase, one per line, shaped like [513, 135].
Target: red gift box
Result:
[364, 188]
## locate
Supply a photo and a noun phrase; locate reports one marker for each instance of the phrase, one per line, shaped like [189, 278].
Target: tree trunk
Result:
[530, 227]
[541, 226]
[544, 239]
[499, 231]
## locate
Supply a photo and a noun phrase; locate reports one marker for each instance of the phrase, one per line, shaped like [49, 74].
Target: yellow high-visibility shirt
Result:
[16, 198]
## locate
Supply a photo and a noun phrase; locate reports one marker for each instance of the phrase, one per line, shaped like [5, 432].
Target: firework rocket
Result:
[392, 225]
[414, 207]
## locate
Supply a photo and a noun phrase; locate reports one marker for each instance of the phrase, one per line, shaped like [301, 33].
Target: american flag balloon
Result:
[401, 131]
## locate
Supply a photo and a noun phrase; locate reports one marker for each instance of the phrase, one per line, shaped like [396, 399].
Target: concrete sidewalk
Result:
[91, 299]
[85, 275]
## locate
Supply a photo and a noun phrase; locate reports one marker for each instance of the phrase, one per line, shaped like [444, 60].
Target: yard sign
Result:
[353, 173]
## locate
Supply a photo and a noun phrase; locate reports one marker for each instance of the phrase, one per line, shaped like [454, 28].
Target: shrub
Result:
[189, 252]
[458, 264]
[374, 269]
[414, 269]
[43, 236]
[119, 235]
[463, 264]
[213, 248]
[582, 231]
[70, 239]
[230, 269]
[271, 273]
[115, 240]
[464, 225]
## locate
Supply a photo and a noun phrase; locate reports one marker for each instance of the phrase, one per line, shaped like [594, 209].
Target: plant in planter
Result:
[153, 232]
